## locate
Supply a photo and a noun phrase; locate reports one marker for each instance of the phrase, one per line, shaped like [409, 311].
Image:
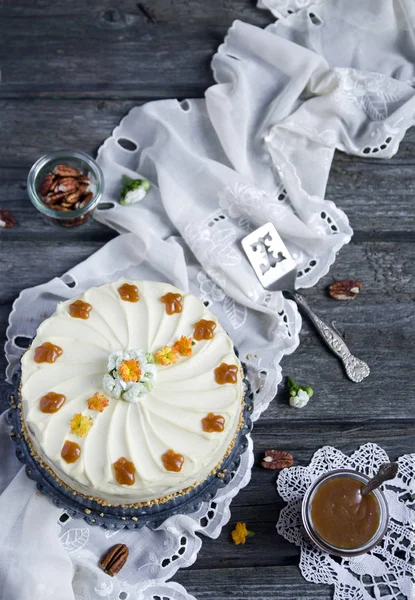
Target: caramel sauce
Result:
[124, 471]
[129, 293]
[47, 352]
[204, 330]
[173, 303]
[341, 516]
[80, 309]
[213, 423]
[226, 374]
[51, 402]
[172, 461]
[70, 452]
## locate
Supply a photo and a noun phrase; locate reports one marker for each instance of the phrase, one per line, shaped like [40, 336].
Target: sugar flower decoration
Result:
[299, 394]
[134, 190]
[183, 346]
[98, 402]
[129, 370]
[80, 424]
[240, 533]
[131, 374]
[166, 356]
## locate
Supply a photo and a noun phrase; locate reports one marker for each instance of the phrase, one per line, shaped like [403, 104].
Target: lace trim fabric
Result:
[387, 571]
[273, 168]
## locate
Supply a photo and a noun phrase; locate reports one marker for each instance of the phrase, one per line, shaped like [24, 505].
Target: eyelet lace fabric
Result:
[387, 571]
[258, 148]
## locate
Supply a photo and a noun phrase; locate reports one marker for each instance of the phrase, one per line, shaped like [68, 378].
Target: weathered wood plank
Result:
[171, 12]
[282, 583]
[147, 49]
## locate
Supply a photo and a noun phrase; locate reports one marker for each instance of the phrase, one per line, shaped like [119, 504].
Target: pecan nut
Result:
[345, 290]
[55, 197]
[47, 184]
[87, 198]
[72, 198]
[6, 218]
[114, 559]
[65, 171]
[277, 459]
[67, 184]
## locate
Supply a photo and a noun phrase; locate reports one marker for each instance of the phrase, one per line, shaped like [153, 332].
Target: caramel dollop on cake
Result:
[173, 303]
[51, 402]
[213, 423]
[80, 309]
[153, 392]
[70, 452]
[47, 352]
[172, 461]
[129, 293]
[124, 471]
[226, 374]
[204, 330]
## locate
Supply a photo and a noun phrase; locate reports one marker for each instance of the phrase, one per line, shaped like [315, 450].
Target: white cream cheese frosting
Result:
[168, 417]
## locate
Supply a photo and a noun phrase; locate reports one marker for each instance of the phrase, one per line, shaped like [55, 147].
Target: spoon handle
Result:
[386, 471]
[355, 368]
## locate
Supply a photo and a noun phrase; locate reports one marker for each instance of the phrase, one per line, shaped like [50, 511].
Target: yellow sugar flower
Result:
[240, 533]
[98, 402]
[166, 356]
[183, 346]
[80, 425]
[130, 370]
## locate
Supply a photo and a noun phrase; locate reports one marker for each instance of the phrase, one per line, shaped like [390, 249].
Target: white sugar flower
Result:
[299, 394]
[134, 190]
[300, 399]
[131, 375]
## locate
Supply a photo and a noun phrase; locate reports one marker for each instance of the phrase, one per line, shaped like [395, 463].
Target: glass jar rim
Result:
[68, 155]
[323, 544]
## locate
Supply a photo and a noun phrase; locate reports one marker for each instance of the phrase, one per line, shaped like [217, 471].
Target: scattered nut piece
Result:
[6, 218]
[114, 559]
[277, 459]
[345, 290]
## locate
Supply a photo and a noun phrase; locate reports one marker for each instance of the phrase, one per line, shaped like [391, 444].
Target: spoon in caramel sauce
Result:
[386, 471]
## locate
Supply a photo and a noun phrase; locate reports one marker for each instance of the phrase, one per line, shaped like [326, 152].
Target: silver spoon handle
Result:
[386, 471]
[356, 369]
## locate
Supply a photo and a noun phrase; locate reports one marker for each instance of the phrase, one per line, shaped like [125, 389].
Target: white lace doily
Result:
[387, 572]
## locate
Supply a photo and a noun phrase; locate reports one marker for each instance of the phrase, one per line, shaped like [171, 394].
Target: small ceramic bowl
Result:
[81, 161]
[313, 534]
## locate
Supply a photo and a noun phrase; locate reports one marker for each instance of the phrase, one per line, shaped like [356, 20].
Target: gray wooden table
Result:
[70, 71]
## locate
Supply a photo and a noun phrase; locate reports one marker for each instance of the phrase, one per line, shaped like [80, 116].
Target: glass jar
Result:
[311, 530]
[87, 166]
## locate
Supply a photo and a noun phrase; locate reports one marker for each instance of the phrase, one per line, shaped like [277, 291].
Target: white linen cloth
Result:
[387, 571]
[258, 148]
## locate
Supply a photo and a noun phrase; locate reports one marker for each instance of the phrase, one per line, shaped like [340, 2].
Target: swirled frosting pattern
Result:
[169, 417]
